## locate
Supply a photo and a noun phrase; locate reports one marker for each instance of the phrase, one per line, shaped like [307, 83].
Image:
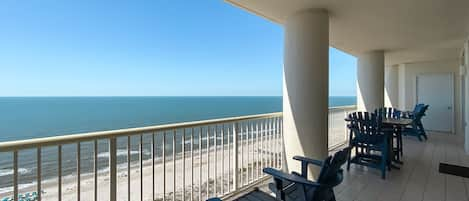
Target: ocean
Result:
[34, 117]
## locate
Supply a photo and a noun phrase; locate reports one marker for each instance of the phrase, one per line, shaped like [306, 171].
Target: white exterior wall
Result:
[407, 85]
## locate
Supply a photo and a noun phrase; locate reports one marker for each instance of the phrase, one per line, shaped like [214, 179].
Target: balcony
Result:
[418, 178]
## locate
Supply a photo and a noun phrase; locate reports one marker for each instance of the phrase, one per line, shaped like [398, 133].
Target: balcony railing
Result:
[338, 134]
[184, 161]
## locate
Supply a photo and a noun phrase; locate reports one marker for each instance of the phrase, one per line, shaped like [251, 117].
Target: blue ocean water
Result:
[32, 117]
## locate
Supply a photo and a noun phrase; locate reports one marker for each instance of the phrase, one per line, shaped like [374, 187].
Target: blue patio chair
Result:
[392, 113]
[296, 186]
[389, 112]
[416, 128]
[370, 140]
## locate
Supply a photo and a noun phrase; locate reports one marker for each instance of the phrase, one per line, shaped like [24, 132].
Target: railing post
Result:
[235, 157]
[112, 168]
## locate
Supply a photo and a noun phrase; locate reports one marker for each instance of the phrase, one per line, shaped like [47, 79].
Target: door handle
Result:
[449, 108]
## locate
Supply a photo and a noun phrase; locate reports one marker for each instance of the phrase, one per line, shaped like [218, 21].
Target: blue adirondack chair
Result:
[416, 128]
[370, 140]
[392, 113]
[296, 186]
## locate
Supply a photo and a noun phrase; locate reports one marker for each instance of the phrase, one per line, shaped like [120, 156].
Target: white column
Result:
[370, 81]
[306, 86]
[391, 91]
[401, 71]
[466, 96]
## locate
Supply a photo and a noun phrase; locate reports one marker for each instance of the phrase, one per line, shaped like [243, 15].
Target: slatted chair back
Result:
[388, 112]
[331, 173]
[365, 127]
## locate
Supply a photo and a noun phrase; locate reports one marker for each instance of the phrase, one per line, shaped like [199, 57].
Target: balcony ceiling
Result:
[402, 28]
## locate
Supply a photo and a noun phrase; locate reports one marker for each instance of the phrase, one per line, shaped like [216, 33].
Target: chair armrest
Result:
[277, 174]
[305, 162]
[309, 160]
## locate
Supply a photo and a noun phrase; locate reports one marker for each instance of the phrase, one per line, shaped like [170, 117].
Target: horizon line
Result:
[110, 96]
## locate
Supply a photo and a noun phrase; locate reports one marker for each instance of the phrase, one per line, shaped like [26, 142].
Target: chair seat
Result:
[373, 141]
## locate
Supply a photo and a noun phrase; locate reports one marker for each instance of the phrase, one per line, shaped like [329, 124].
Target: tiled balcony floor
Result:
[417, 180]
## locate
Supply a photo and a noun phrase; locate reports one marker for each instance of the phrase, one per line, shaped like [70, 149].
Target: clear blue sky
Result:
[149, 48]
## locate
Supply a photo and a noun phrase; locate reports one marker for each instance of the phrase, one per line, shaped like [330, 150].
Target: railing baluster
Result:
[251, 124]
[95, 169]
[258, 169]
[262, 145]
[153, 165]
[78, 171]
[200, 163]
[192, 163]
[271, 140]
[15, 175]
[247, 153]
[140, 144]
[183, 164]
[174, 164]
[223, 159]
[235, 157]
[216, 161]
[274, 144]
[128, 166]
[164, 165]
[230, 142]
[59, 172]
[208, 162]
[39, 177]
[281, 145]
[242, 132]
[113, 168]
[277, 142]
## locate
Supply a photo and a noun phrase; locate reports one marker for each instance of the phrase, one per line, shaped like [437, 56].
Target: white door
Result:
[436, 90]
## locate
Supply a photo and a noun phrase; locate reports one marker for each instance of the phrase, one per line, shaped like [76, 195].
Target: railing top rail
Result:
[73, 138]
[347, 107]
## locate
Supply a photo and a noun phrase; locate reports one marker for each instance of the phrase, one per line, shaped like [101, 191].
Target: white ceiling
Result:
[400, 27]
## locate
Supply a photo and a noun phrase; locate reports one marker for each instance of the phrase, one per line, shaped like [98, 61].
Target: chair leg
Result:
[424, 135]
[333, 196]
[384, 161]
[420, 138]
[348, 160]
[401, 150]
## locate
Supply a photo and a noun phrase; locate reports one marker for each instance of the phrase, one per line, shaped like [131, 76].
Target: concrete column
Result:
[306, 87]
[401, 71]
[370, 81]
[391, 83]
[466, 96]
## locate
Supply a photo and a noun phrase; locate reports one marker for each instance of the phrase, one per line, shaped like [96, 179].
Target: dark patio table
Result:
[397, 124]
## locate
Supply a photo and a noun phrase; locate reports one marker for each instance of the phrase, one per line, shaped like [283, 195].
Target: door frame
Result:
[452, 93]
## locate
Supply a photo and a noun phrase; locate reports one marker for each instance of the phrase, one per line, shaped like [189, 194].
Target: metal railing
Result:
[184, 161]
[338, 132]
